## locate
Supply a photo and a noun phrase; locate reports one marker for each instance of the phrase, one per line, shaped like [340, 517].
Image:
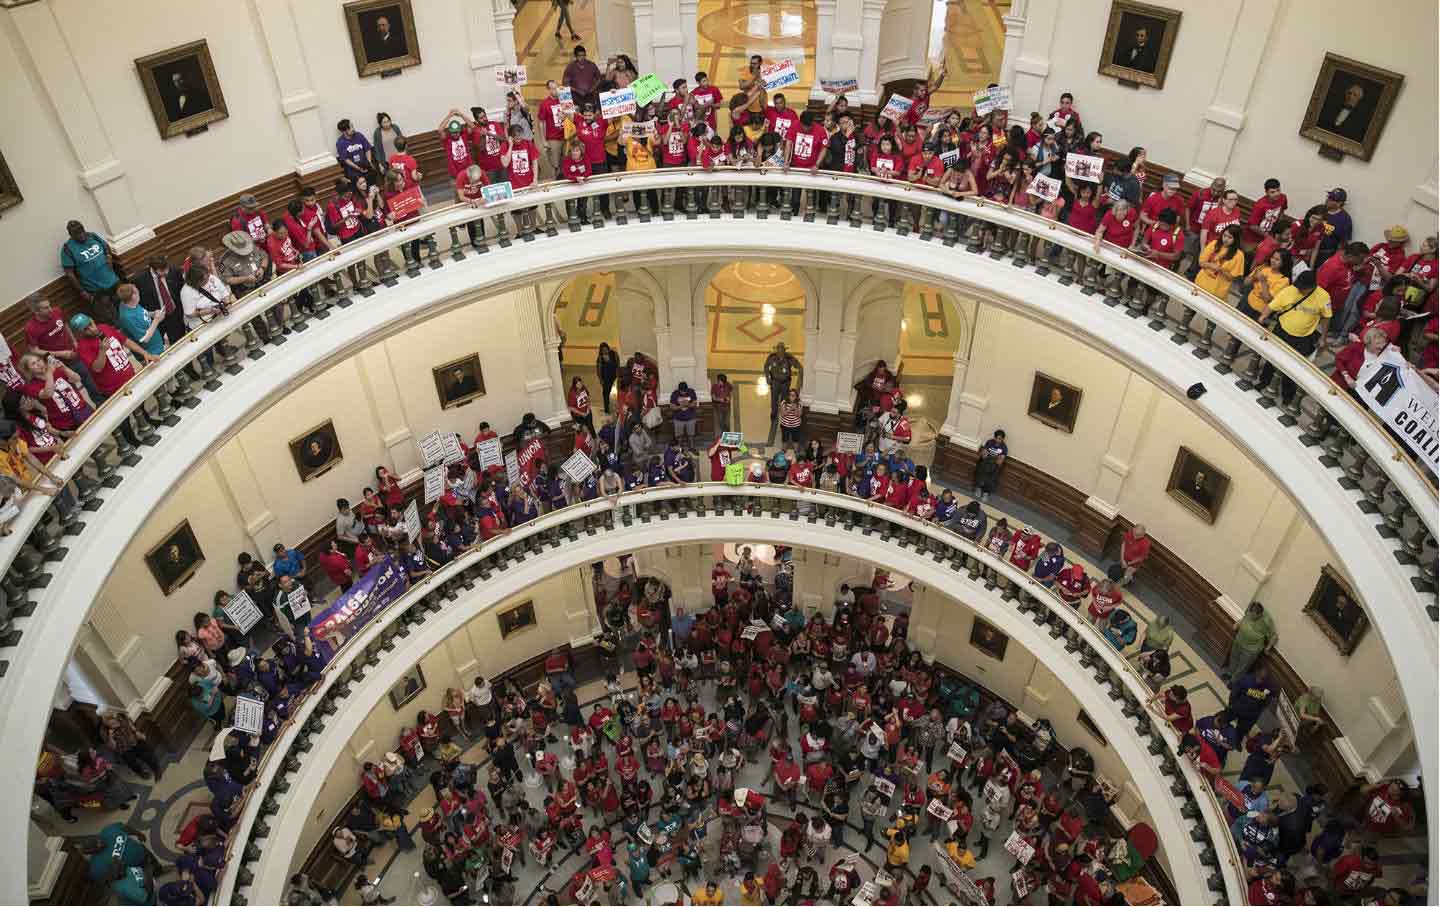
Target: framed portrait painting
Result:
[175, 559]
[516, 619]
[1336, 612]
[9, 189]
[1349, 106]
[407, 687]
[459, 382]
[1054, 402]
[382, 36]
[1197, 485]
[1139, 39]
[316, 452]
[986, 637]
[182, 88]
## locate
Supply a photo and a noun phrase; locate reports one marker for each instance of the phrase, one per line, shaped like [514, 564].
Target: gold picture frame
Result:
[1343, 624]
[382, 45]
[1132, 52]
[316, 451]
[987, 637]
[410, 685]
[459, 381]
[10, 195]
[1198, 486]
[182, 89]
[1054, 402]
[517, 619]
[1091, 728]
[1368, 94]
[174, 560]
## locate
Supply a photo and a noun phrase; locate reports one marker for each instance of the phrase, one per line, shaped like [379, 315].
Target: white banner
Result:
[950, 158]
[491, 453]
[249, 715]
[1400, 398]
[243, 612]
[434, 484]
[839, 86]
[939, 810]
[412, 521]
[884, 786]
[957, 753]
[1019, 848]
[299, 601]
[779, 74]
[1044, 187]
[988, 99]
[512, 469]
[1089, 168]
[615, 104]
[849, 442]
[453, 452]
[510, 76]
[896, 108]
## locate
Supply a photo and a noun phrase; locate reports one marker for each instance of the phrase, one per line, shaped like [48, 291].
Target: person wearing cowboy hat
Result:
[245, 267]
[781, 369]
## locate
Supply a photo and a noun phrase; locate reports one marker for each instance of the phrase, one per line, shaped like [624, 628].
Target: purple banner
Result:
[381, 585]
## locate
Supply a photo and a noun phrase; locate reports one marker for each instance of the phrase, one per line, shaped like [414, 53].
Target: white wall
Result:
[1252, 64]
[905, 39]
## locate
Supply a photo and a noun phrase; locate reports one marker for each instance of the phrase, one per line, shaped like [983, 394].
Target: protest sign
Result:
[497, 192]
[732, 439]
[988, 99]
[405, 204]
[933, 115]
[452, 451]
[885, 787]
[957, 753]
[839, 86]
[584, 891]
[249, 714]
[752, 630]
[299, 601]
[510, 76]
[412, 521]
[1401, 399]
[512, 469]
[647, 88]
[950, 158]
[434, 484]
[528, 458]
[1044, 187]
[566, 99]
[1019, 848]
[578, 466]
[1089, 168]
[641, 132]
[849, 442]
[1289, 718]
[432, 450]
[491, 453]
[939, 810]
[896, 108]
[615, 104]
[242, 611]
[1025, 883]
[779, 74]
[1229, 793]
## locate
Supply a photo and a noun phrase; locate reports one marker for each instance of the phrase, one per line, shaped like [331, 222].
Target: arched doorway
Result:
[750, 308]
[917, 331]
[600, 307]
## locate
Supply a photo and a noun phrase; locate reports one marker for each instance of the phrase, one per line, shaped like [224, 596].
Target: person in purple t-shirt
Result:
[353, 152]
[582, 76]
[682, 410]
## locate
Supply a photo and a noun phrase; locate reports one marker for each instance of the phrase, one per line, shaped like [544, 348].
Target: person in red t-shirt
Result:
[1167, 199]
[1134, 551]
[552, 116]
[1220, 217]
[1265, 213]
[720, 456]
[107, 353]
[1336, 277]
[1355, 872]
[1118, 225]
[337, 566]
[589, 128]
[780, 119]
[399, 207]
[249, 218]
[674, 139]
[487, 141]
[454, 142]
[470, 189]
[403, 163]
[1163, 241]
[46, 330]
[801, 474]
[806, 143]
[1200, 206]
[925, 168]
[886, 162]
[521, 159]
[706, 97]
[48, 380]
[281, 248]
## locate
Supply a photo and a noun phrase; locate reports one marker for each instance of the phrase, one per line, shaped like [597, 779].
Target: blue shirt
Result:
[682, 624]
[135, 320]
[945, 510]
[1048, 565]
[130, 888]
[88, 257]
[289, 564]
[355, 149]
[115, 844]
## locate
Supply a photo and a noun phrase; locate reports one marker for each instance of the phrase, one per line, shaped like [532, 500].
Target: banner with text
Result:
[1089, 168]
[510, 76]
[896, 108]
[648, 88]
[839, 86]
[779, 74]
[1400, 398]
[615, 104]
[372, 593]
[988, 99]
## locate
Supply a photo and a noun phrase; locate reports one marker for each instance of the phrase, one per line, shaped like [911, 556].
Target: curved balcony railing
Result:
[1205, 844]
[1371, 472]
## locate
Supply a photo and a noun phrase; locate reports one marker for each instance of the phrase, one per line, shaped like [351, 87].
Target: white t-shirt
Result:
[192, 300]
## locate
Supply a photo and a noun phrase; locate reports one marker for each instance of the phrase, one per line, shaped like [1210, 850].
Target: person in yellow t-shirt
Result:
[897, 853]
[1221, 262]
[1267, 279]
[1299, 314]
[709, 896]
[960, 853]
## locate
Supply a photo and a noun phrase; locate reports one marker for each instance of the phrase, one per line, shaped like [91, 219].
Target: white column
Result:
[106, 670]
[659, 38]
[382, 388]
[1031, 63]
[1423, 209]
[100, 171]
[905, 33]
[232, 471]
[970, 394]
[663, 354]
[485, 53]
[1222, 121]
[679, 324]
[615, 32]
[1274, 531]
[1133, 420]
[823, 365]
[845, 373]
[807, 389]
[689, 40]
[298, 100]
[504, 18]
[557, 379]
[539, 385]
[1014, 22]
[824, 47]
[957, 391]
[871, 13]
[644, 12]
[45, 859]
